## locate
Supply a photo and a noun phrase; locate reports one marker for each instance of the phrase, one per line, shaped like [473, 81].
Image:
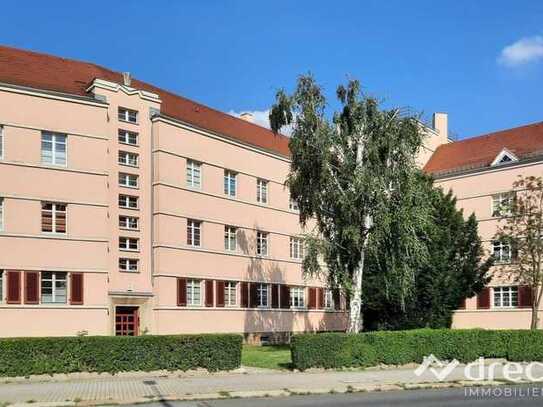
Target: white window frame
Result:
[193, 174]
[262, 243]
[127, 243]
[125, 114]
[194, 286]
[128, 265]
[503, 294]
[500, 204]
[2, 272]
[129, 159]
[1, 214]
[55, 278]
[124, 201]
[230, 238]
[296, 248]
[230, 183]
[328, 299]
[56, 156]
[194, 233]
[1, 142]
[297, 297]
[54, 214]
[263, 293]
[128, 222]
[504, 250]
[262, 191]
[230, 293]
[128, 180]
[124, 137]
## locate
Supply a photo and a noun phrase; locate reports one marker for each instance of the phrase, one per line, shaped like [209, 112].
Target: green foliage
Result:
[338, 350]
[351, 175]
[452, 270]
[31, 356]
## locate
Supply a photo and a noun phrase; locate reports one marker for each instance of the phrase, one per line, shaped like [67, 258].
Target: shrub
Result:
[336, 350]
[28, 356]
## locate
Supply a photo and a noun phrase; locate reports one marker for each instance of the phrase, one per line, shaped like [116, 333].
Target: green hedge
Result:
[336, 350]
[28, 356]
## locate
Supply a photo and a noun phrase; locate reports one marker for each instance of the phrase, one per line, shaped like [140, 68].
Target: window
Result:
[230, 238]
[328, 299]
[262, 295]
[128, 137]
[297, 297]
[126, 158]
[194, 296]
[296, 248]
[53, 148]
[127, 201]
[1, 286]
[128, 180]
[194, 174]
[128, 115]
[230, 183]
[193, 232]
[129, 243]
[1, 215]
[505, 297]
[502, 252]
[128, 222]
[1, 142]
[230, 293]
[293, 205]
[261, 191]
[128, 265]
[501, 204]
[53, 287]
[53, 217]
[262, 243]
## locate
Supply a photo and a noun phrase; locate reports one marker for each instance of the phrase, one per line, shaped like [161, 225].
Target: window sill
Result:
[128, 144]
[129, 186]
[131, 209]
[129, 250]
[129, 165]
[127, 121]
[54, 165]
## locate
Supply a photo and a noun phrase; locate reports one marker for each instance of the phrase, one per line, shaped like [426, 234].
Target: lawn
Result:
[268, 357]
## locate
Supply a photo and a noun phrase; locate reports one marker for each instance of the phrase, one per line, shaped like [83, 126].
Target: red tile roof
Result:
[47, 72]
[478, 152]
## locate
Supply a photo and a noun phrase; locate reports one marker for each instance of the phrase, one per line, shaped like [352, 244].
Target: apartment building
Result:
[480, 171]
[126, 210]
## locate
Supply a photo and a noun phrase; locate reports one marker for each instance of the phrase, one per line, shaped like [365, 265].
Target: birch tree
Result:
[522, 228]
[347, 172]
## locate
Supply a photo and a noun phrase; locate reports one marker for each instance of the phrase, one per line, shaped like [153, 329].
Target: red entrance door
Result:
[126, 321]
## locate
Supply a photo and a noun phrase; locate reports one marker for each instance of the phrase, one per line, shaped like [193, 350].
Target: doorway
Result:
[126, 321]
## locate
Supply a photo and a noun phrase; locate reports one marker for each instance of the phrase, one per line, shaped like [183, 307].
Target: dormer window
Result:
[505, 157]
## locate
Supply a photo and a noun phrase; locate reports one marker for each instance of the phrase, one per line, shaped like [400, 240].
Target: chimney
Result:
[440, 124]
[127, 80]
[248, 117]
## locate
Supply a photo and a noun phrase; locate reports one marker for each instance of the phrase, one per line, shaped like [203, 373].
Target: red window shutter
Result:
[462, 304]
[32, 287]
[76, 288]
[337, 299]
[209, 292]
[483, 299]
[14, 287]
[182, 292]
[525, 296]
[253, 295]
[312, 298]
[285, 296]
[220, 294]
[275, 296]
[244, 295]
[320, 298]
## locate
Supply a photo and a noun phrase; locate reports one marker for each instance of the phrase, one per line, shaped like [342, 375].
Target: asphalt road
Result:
[494, 396]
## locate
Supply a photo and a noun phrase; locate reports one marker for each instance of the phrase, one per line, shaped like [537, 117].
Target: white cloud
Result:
[261, 117]
[525, 50]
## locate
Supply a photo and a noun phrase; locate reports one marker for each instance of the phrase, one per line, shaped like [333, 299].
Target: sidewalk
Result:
[139, 387]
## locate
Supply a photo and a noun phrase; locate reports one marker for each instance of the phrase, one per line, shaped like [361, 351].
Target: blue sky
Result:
[480, 61]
